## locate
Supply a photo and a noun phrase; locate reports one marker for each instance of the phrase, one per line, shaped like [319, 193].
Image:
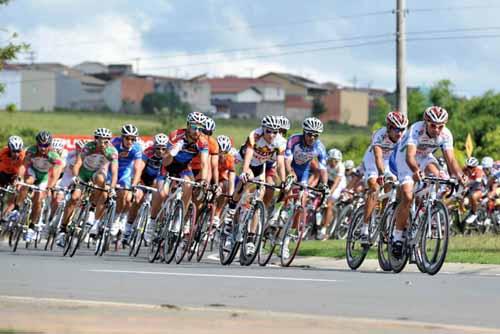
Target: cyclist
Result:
[183, 146]
[68, 177]
[43, 167]
[336, 176]
[492, 177]
[130, 166]
[376, 162]
[260, 146]
[11, 167]
[227, 174]
[213, 152]
[475, 175]
[413, 156]
[152, 158]
[92, 164]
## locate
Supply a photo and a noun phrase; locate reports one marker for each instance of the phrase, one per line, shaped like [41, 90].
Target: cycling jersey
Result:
[226, 165]
[39, 164]
[213, 149]
[126, 159]
[425, 145]
[67, 177]
[338, 170]
[96, 161]
[302, 155]
[263, 151]
[152, 166]
[7, 164]
[381, 139]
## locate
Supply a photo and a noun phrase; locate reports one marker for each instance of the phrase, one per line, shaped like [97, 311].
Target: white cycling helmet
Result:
[130, 130]
[196, 118]
[487, 162]
[160, 140]
[209, 124]
[271, 122]
[312, 124]
[349, 164]
[335, 154]
[285, 123]
[224, 143]
[472, 162]
[15, 143]
[58, 144]
[397, 120]
[103, 133]
[436, 114]
[80, 144]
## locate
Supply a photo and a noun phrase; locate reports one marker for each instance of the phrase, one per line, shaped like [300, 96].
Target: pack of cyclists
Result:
[200, 161]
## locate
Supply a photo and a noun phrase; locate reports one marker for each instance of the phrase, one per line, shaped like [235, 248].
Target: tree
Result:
[10, 51]
[378, 113]
[441, 94]
[416, 105]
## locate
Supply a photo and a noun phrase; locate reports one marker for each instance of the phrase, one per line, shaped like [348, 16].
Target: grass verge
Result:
[481, 249]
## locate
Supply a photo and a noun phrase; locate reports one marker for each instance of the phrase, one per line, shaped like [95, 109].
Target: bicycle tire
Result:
[433, 266]
[157, 238]
[205, 231]
[354, 261]
[344, 220]
[186, 240]
[296, 233]
[384, 238]
[138, 229]
[69, 241]
[16, 236]
[227, 259]
[247, 259]
[268, 245]
[172, 238]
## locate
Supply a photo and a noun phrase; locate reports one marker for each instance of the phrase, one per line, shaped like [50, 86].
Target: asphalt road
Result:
[456, 299]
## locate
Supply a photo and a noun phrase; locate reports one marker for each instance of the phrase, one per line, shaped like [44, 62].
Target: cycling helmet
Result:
[15, 143]
[102, 133]
[196, 118]
[397, 120]
[58, 144]
[436, 114]
[160, 140]
[487, 162]
[209, 124]
[130, 130]
[271, 122]
[43, 138]
[472, 162]
[349, 164]
[335, 154]
[285, 123]
[80, 144]
[224, 143]
[312, 124]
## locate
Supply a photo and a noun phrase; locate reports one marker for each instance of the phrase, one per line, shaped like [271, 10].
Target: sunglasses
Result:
[15, 152]
[195, 127]
[161, 149]
[395, 129]
[130, 138]
[312, 134]
[269, 131]
[43, 145]
[436, 126]
[103, 140]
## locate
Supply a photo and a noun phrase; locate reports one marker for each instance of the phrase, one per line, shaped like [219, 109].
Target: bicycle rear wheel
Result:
[343, 222]
[292, 236]
[205, 231]
[433, 241]
[397, 265]
[137, 237]
[384, 238]
[228, 243]
[16, 236]
[355, 251]
[174, 232]
[257, 218]
[268, 245]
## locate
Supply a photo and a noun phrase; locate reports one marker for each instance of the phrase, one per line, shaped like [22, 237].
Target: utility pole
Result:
[401, 57]
[31, 57]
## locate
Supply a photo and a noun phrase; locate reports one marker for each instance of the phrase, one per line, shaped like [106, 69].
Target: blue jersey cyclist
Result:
[130, 166]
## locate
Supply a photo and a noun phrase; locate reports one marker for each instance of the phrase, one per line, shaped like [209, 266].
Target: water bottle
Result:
[319, 218]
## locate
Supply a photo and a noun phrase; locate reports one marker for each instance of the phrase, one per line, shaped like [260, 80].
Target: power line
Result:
[452, 8]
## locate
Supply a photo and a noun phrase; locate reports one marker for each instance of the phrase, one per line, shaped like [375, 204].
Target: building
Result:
[247, 97]
[296, 85]
[125, 94]
[347, 106]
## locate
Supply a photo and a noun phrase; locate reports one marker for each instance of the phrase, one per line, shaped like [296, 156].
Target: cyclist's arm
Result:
[214, 161]
[54, 174]
[280, 159]
[114, 174]
[336, 182]
[138, 167]
[452, 163]
[323, 173]
[411, 151]
[230, 188]
[379, 159]
[204, 165]
[247, 159]
[78, 164]
[21, 171]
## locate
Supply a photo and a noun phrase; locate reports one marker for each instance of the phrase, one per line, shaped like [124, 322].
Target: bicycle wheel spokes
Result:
[252, 235]
[384, 238]
[268, 245]
[205, 232]
[355, 251]
[292, 236]
[344, 220]
[173, 233]
[397, 264]
[433, 244]
[186, 234]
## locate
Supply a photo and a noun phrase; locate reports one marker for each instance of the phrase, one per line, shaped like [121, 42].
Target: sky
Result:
[346, 42]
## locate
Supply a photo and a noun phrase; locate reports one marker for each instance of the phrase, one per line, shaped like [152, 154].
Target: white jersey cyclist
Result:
[333, 172]
[381, 139]
[425, 147]
[264, 151]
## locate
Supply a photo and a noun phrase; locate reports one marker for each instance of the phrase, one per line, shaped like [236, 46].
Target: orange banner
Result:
[145, 141]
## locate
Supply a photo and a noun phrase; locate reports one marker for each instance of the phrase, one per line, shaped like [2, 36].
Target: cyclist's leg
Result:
[98, 198]
[371, 201]
[269, 192]
[38, 197]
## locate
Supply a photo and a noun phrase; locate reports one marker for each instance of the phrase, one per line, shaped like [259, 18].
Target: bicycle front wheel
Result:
[292, 236]
[434, 236]
[187, 233]
[355, 251]
[174, 232]
[384, 238]
[252, 234]
[205, 229]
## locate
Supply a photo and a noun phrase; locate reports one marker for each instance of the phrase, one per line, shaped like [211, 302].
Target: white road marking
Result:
[275, 278]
